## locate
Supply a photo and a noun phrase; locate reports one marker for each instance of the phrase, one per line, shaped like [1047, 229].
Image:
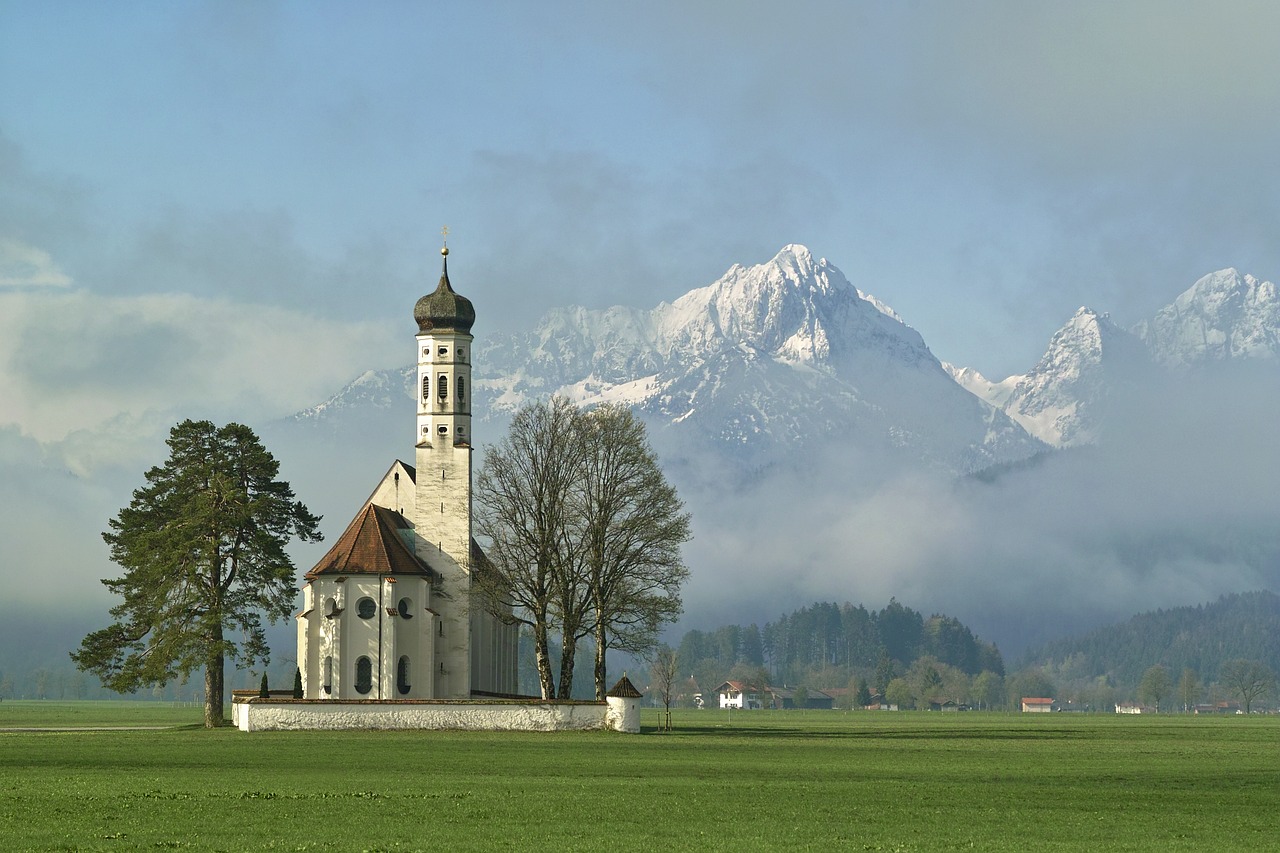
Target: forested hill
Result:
[828, 645]
[1200, 638]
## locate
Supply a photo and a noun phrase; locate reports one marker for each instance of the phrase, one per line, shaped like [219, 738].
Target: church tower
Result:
[387, 612]
[443, 481]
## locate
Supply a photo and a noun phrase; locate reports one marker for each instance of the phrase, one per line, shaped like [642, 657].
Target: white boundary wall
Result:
[257, 714]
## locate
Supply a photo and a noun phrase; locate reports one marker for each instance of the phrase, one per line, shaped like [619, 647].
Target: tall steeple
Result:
[443, 481]
[444, 363]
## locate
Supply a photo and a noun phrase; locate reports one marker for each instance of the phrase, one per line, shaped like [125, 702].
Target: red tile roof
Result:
[372, 544]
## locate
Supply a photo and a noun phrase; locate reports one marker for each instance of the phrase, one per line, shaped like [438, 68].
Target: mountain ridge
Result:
[1090, 362]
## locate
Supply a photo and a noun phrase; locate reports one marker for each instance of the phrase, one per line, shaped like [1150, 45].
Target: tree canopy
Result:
[202, 546]
[827, 644]
[1251, 680]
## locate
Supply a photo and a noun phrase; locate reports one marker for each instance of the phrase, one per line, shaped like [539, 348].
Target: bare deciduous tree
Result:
[521, 496]
[632, 528]
[664, 672]
[583, 534]
[1248, 679]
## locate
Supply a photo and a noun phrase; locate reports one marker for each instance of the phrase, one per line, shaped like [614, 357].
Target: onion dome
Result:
[444, 309]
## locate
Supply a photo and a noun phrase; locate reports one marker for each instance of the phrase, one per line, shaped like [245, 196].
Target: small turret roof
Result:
[624, 689]
[444, 310]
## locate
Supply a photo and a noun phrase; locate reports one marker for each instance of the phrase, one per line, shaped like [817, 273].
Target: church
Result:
[388, 612]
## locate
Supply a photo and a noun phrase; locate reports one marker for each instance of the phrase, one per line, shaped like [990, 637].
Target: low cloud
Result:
[1177, 508]
[76, 362]
[23, 265]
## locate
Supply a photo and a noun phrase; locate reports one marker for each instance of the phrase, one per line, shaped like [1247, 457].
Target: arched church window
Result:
[405, 607]
[364, 675]
[461, 392]
[443, 386]
[366, 607]
[402, 675]
[328, 674]
[426, 387]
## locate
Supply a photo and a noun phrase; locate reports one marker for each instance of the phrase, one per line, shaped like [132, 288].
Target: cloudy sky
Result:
[225, 209]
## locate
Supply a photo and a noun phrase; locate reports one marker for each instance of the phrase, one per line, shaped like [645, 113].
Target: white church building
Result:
[390, 635]
[388, 612]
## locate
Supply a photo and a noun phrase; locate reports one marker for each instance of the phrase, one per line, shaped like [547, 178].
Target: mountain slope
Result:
[1064, 400]
[1225, 320]
[766, 359]
[1225, 316]
[1200, 638]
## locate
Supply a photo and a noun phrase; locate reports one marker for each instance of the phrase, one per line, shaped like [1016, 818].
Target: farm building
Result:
[740, 694]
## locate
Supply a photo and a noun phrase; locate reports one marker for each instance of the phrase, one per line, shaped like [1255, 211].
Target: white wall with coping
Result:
[257, 714]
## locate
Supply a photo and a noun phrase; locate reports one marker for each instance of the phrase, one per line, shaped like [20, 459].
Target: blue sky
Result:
[985, 168]
[227, 209]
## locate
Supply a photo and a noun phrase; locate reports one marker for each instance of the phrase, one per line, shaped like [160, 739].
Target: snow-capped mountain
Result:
[1065, 398]
[1091, 362]
[373, 389]
[1225, 316]
[767, 360]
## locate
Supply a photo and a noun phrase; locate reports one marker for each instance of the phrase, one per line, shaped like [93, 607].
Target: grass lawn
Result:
[105, 712]
[806, 780]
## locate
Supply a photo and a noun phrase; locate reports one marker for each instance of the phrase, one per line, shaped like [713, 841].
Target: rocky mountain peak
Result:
[1224, 316]
[1063, 399]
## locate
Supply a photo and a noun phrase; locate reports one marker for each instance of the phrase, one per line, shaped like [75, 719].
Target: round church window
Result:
[366, 607]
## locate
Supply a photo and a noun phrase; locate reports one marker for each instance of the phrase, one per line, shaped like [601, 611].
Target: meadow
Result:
[756, 780]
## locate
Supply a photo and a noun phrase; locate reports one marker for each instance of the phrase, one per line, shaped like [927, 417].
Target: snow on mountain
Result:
[1224, 316]
[373, 389]
[1064, 399]
[995, 393]
[767, 358]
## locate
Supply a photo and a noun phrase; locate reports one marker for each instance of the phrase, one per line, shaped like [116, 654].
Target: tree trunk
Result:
[546, 680]
[600, 674]
[568, 649]
[213, 684]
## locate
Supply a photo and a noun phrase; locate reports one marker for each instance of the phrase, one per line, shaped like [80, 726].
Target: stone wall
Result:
[256, 714]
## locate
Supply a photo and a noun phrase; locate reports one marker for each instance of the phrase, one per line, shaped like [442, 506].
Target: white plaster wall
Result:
[396, 492]
[266, 715]
[438, 356]
[444, 527]
[623, 714]
[360, 638]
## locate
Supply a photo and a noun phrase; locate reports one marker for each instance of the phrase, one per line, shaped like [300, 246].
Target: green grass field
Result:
[764, 780]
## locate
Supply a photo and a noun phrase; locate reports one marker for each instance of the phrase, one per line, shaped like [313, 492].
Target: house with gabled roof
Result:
[740, 694]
